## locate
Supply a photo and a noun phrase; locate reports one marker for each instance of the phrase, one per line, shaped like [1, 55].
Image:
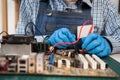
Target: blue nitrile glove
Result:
[96, 44]
[61, 35]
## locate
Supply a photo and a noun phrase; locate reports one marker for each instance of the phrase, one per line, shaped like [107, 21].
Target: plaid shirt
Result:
[27, 13]
[105, 18]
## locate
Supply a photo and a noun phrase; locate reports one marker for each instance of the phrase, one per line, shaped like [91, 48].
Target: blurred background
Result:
[9, 10]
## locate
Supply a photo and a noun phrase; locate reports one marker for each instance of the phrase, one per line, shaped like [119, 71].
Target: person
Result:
[104, 41]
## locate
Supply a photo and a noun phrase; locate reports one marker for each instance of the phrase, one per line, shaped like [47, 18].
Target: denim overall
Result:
[48, 20]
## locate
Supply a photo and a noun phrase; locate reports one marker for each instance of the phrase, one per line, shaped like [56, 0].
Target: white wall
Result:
[0, 15]
[11, 16]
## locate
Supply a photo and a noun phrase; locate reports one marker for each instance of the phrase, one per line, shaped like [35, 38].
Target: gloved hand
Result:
[61, 35]
[96, 44]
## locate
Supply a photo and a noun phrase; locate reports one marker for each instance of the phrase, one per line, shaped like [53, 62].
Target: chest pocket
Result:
[48, 20]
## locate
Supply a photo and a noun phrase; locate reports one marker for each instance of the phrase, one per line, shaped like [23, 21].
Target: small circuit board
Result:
[59, 63]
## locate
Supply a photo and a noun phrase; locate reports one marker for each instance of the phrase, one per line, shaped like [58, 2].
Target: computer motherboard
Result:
[58, 63]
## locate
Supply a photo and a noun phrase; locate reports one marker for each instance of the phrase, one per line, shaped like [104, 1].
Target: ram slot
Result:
[84, 61]
[92, 62]
[101, 62]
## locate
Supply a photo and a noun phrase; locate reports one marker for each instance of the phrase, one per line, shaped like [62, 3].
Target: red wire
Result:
[72, 43]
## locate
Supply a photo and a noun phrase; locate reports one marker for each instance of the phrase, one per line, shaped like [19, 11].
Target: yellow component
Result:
[31, 71]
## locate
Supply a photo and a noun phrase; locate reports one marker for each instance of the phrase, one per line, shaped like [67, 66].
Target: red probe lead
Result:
[78, 38]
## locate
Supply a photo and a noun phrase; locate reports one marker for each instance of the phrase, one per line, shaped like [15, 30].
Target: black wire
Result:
[31, 25]
[4, 32]
[76, 49]
[32, 29]
[79, 3]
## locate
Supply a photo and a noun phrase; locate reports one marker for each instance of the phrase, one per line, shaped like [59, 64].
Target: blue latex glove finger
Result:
[97, 49]
[89, 39]
[58, 39]
[52, 38]
[106, 51]
[62, 38]
[61, 35]
[93, 44]
[96, 44]
[83, 39]
[72, 38]
[69, 35]
[55, 39]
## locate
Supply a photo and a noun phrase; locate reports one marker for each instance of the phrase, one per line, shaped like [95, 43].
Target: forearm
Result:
[112, 19]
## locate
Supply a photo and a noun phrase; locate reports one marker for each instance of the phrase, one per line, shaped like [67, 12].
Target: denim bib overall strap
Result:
[48, 20]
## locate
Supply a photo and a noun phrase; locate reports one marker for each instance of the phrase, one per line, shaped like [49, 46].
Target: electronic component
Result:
[40, 46]
[68, 53]
[4, 63]
[39, 62]
[76, 63]
[83, 61]
[19, 49]
[12, 67]
[23, 64]
[91, 61]
[17, 39]
[50, 68]
[102, 65]
[56, 64]
[46, 61]
[12, 58]
[32, 63]
[63, 63]
[51, 59]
